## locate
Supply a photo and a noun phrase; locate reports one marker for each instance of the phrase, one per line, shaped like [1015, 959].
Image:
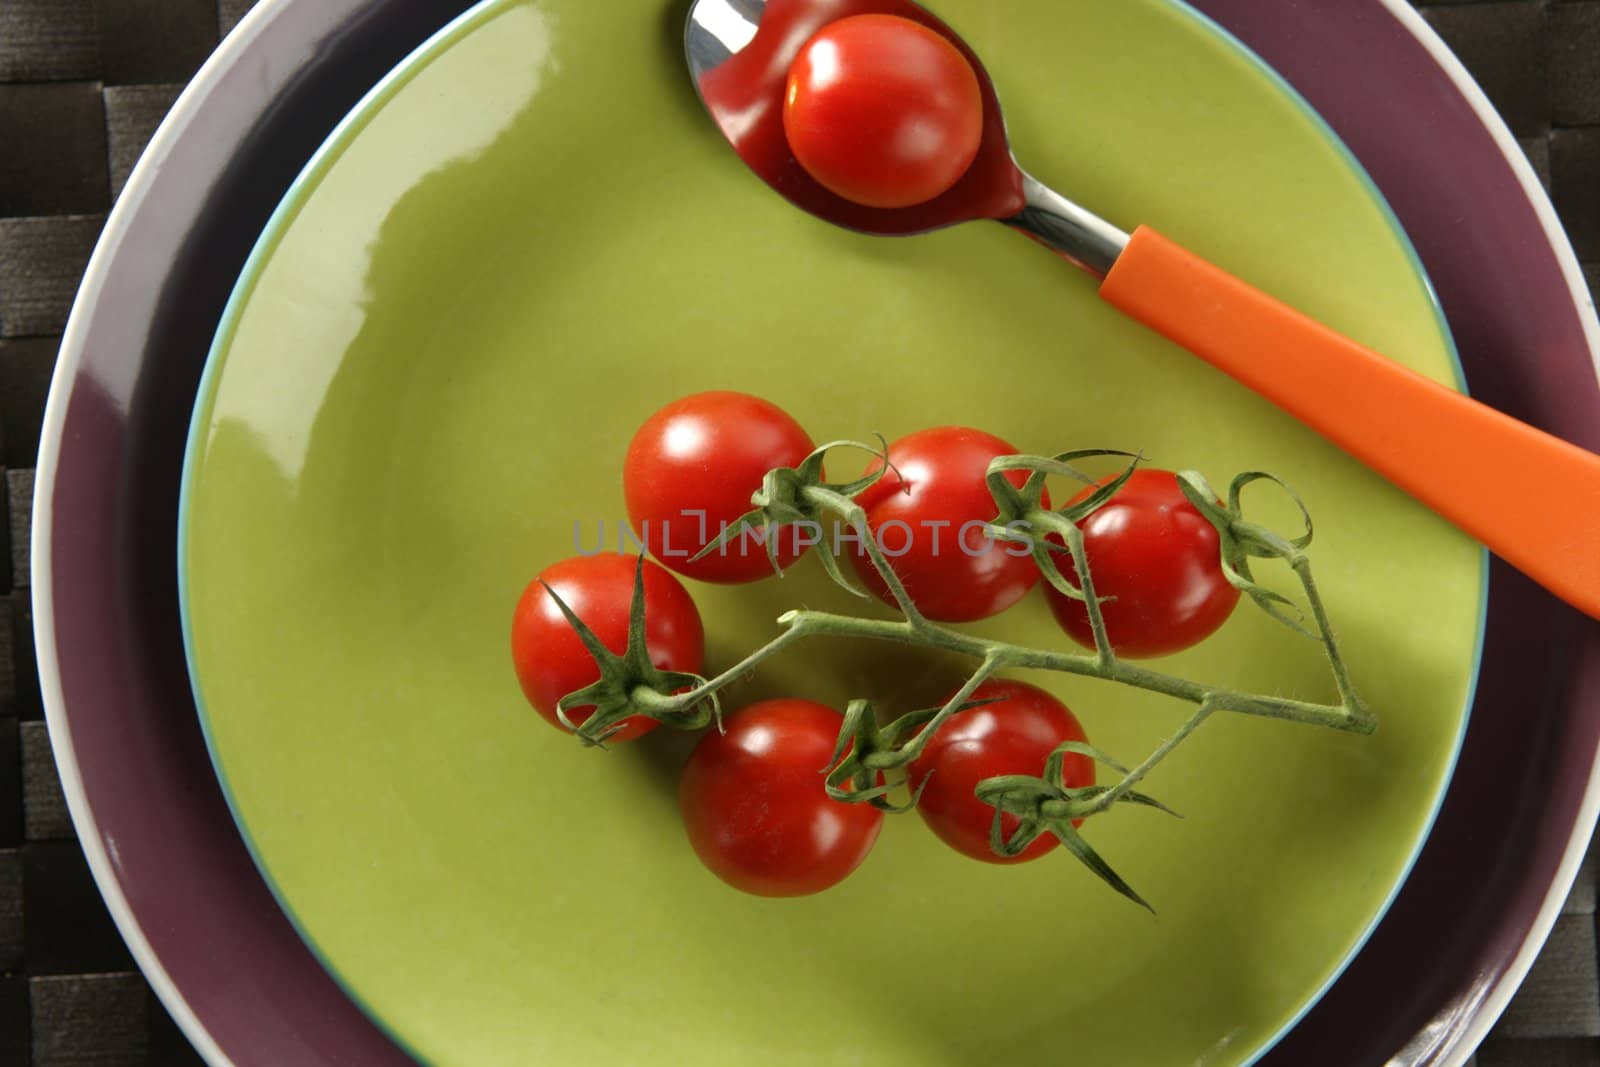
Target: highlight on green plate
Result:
[490, 440]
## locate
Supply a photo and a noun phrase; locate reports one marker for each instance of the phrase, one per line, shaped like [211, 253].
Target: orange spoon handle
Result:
[1532, 499]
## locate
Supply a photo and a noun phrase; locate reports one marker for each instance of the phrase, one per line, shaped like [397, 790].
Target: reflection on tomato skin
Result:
[745, 97]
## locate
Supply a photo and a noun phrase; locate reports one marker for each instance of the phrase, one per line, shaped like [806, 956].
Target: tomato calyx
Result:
[1051, 531]
[1243, 540]
[1044, 804]
[801, 497]
[630, 684]
[1022, 509]
[866, 750]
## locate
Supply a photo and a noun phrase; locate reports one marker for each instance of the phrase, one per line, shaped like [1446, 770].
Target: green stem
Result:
[1073, 536]
[1133, 777]
[854, 514]
[914, 629]
[997, 654]
[913, 748]
[683, 701]
[1341, 676]
[647, 700]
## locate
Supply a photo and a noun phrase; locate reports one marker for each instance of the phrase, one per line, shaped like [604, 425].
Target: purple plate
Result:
[155, 828]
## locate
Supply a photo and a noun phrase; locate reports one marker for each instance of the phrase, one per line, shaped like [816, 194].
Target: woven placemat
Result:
[83, 84]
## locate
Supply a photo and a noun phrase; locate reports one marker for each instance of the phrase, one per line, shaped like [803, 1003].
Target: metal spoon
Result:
[1531, 498]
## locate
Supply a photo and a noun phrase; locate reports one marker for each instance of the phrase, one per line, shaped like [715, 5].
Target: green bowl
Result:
[529, 237]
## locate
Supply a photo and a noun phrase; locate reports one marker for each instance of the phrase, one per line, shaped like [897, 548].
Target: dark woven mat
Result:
[83, 84]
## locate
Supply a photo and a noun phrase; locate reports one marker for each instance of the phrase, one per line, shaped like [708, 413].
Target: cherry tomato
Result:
[928, 519]
[1014, 735]
[690, 470]
[551, 660]
[756, 809]
[1150, 549]
[883, 111]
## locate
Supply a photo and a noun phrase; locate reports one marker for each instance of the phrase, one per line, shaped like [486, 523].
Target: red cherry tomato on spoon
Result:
[883, 111]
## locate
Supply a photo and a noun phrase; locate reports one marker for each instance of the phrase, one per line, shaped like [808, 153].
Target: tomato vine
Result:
[630, 686]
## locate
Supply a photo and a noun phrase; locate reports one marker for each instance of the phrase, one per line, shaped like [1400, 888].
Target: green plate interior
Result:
[529, 238]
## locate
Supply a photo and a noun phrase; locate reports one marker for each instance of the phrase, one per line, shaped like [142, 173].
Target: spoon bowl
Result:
[739, 52]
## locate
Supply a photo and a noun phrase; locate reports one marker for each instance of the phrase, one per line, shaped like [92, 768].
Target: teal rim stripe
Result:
[1421, 274]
